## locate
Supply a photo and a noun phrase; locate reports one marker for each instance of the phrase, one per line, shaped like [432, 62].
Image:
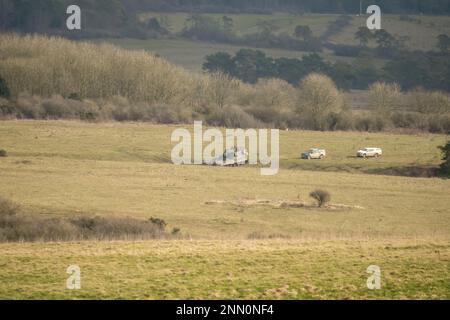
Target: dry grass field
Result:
[241, 228]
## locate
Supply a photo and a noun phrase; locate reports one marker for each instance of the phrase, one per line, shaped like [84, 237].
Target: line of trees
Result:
[251, 65]
[201, 27]
[408, 68]
[315, 6]
[430, 70]
[56, 78]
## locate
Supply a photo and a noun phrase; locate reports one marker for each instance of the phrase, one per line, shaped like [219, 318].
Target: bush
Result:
[322, 197]
[232, 117]
[340, 121]
[347, 50]
[371, 123]
[4, 90]
[7, 207]
[384, 97]
[166, 114]
[445, 166]
[3, 153]
[117, 228]
[428, 102]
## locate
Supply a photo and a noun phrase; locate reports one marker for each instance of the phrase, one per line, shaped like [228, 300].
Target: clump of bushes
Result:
[7, 207]
[445, 166]
[3, 153]
[232, 117]
[18, 227]
[4, 90]
[261, 236]
[321, 196]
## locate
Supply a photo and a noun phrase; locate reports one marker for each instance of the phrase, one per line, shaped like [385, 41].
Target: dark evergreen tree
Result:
[4, 90]
[445, 166]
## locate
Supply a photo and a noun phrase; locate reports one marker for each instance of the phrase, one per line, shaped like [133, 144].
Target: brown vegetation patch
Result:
[282, 204]
[407, 171]
[17, 227]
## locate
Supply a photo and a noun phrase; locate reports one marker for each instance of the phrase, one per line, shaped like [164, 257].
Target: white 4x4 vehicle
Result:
[314, 153]
[231, 157]
[370, 152]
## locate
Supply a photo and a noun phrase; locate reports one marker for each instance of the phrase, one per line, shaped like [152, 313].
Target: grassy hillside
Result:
[422, 30]
[244, 226]
[124, 169]
[247, 23]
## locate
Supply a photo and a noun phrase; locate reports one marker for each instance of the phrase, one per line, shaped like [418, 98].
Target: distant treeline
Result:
[114, 15]
[314, 6]
[409, 69]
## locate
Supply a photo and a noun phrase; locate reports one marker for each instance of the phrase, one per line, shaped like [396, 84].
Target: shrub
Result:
[340, 121]
[3, 153]
[160, 223]
[4, 90]
[384, 97]
[161, 113]
[429, 101]
[232, 117]
[321, 196]
[32, 228]
[371, 123]
[117, 228]
[260, 236]
[74, 96]
[445, 166]
[346, 50]
[18, 227]
[6, 109]
[220, 88]
[7, 207]
[28, 106]
[56, 107]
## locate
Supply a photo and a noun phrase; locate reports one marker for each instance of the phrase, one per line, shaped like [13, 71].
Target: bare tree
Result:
[318, 97]
[384, 97]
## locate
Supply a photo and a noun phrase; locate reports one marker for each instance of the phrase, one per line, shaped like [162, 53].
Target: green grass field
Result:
[226, 270]
[421, 30]
[63, 168]
[191, 54]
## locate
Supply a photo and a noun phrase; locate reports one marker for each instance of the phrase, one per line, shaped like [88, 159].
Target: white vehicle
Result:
[370, 152]
[314, 153]
[231, 157]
